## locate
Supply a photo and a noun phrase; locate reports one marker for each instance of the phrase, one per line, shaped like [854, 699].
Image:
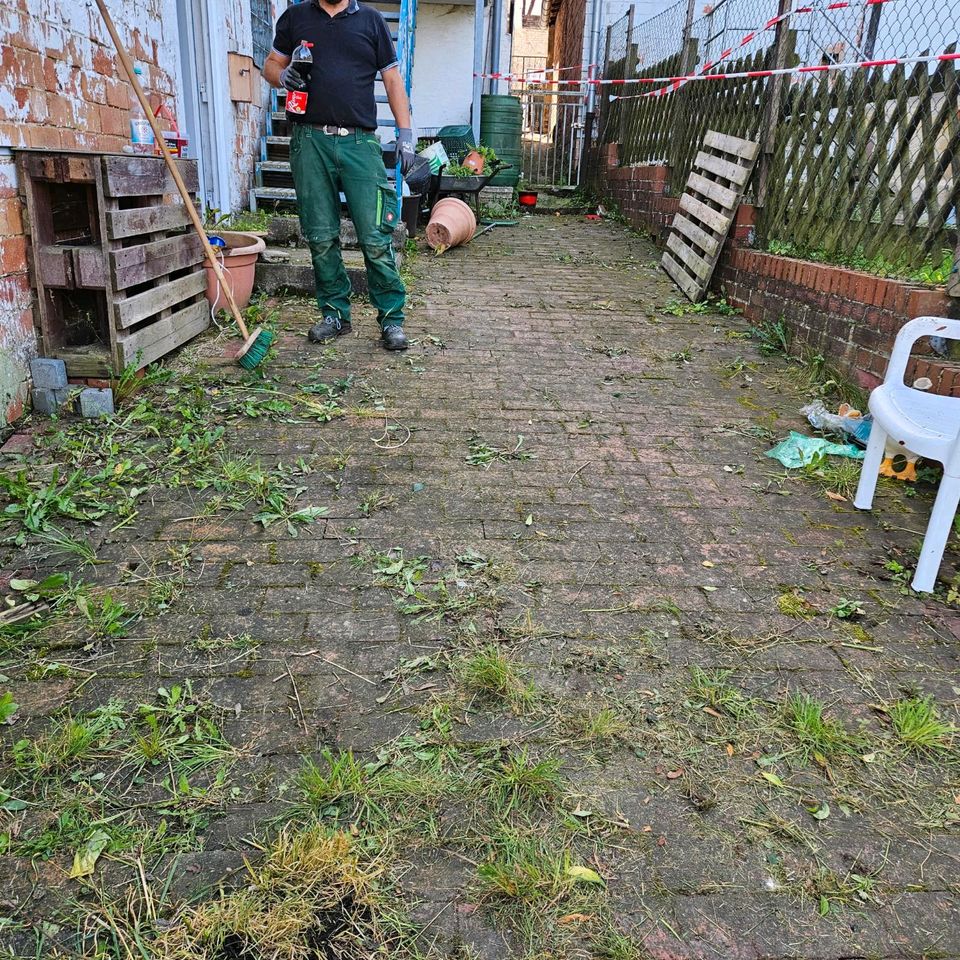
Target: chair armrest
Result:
[910, 333]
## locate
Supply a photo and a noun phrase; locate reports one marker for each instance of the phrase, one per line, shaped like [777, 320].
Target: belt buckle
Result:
[331, 131]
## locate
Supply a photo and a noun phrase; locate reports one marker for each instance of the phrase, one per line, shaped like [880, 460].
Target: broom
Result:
[256, 344]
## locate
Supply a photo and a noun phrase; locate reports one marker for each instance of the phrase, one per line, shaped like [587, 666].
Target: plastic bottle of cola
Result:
[303, 62]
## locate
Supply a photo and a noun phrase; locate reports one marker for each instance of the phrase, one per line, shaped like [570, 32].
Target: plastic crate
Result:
[457, 141]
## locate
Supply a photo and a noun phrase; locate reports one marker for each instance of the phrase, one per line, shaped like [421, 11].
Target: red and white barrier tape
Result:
[751, 36]
[675, 82]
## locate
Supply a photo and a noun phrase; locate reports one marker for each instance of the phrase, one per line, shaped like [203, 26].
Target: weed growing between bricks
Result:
[326, 662]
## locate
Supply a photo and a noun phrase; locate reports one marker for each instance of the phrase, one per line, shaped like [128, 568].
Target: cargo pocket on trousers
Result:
[387, 208]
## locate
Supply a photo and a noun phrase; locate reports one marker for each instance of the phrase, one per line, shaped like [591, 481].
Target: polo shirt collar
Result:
[353, 7]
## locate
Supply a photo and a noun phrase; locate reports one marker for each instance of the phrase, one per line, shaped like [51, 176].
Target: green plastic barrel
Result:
[501, 127]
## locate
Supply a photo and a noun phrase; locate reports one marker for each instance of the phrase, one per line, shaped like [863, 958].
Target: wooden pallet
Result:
[110, 244]
[718, 179]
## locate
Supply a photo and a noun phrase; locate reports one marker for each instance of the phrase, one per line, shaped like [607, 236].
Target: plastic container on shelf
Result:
[142, 140]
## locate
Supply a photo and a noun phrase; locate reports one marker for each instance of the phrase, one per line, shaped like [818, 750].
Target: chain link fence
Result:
[860, 165]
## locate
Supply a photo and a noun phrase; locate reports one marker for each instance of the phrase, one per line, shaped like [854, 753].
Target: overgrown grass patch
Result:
[490, 672]
[918, 726]
[821, 737]
[311, 896]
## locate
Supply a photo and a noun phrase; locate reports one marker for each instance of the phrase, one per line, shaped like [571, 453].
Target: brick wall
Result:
[849, 316]
[17, 339]
[566, 46]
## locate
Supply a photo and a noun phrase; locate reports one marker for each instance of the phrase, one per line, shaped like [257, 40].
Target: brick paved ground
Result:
[646, 593]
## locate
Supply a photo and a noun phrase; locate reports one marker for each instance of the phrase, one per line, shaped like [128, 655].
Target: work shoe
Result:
[327, 329]
[394, 338]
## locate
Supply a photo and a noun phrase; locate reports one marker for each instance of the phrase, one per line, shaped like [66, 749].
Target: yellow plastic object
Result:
[908, 472]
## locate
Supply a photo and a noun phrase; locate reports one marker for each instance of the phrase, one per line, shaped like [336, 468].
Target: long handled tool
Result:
[257, 343]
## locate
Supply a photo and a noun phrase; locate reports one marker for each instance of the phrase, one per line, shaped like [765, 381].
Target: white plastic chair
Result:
[924, 423]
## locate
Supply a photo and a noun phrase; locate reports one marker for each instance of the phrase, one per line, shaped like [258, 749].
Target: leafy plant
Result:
[848, 609]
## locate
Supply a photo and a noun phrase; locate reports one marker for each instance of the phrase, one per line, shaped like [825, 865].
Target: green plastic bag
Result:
[799, 450]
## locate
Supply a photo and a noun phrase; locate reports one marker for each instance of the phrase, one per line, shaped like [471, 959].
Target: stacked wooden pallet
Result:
[117, 275]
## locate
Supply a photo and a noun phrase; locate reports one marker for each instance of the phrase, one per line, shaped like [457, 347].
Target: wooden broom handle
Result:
[172, 167]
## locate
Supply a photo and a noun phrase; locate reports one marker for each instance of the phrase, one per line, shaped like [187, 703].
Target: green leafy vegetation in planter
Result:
[246, 221]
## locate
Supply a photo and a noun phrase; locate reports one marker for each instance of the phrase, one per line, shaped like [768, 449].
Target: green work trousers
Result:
[323, 166]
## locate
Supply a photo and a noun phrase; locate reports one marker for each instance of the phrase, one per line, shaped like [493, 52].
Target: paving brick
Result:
[48, 373]
[647, 538]
[96, 402]
[49, 402]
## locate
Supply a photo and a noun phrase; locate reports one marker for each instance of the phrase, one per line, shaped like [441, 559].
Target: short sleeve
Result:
[282, 39]
[386, 54]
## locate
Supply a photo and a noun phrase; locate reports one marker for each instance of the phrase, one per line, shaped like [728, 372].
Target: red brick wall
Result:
[566, 45]
[849, 316]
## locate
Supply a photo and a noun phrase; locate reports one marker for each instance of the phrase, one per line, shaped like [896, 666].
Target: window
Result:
[262, 26]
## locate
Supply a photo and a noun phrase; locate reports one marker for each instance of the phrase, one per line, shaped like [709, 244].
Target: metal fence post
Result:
[771, 109]
[689, 57]
[629, 68]
[872, 28]
[604, 106]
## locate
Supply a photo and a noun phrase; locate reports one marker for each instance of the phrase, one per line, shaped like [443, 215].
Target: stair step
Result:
[284, 234]
[291, 270]
[274, 166]
[278, 141]
[287, 194]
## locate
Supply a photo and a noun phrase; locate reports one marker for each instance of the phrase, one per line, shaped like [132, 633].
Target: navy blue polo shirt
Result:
[349, 50]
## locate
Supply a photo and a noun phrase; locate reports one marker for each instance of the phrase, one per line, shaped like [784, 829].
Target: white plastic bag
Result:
[437, 156]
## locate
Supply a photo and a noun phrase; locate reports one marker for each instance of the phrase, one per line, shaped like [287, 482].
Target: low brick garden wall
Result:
[849, 316]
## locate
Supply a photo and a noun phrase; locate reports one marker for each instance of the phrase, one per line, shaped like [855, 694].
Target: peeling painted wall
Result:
[61, 88]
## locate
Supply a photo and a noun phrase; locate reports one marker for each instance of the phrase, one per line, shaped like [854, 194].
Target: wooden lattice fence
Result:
[859, 167]
[867, 166]
[670, 129]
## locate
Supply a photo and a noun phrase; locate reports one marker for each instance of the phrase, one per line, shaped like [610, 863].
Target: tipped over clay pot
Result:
[451, 223]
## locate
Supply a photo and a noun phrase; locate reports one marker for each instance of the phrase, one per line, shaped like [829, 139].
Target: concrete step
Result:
[276, 194]
[289, 270]
[284, 232]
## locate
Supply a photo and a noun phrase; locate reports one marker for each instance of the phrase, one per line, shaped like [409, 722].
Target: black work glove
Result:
[406, 152]
[292, 79]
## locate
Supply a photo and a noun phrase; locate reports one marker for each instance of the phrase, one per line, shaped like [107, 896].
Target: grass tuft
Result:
[820, 737]
[523, 782]
[491, 672]
[917, 725]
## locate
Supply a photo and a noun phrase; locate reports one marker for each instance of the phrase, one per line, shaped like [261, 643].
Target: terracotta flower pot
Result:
[239, 263]
[451, 223]
[474, 161]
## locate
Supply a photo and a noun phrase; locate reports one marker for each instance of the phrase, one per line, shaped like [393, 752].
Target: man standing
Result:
[334, 148]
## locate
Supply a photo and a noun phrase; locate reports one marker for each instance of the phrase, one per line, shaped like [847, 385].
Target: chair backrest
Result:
[910, 333]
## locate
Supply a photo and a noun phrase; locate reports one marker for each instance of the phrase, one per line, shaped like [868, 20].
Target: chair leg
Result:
[871, 468]
[938, 532]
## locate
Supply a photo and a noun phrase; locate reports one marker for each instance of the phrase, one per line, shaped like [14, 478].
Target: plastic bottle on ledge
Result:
[142, 140]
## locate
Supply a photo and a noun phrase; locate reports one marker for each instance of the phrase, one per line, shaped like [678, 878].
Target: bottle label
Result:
[297, 102]
[141, 131]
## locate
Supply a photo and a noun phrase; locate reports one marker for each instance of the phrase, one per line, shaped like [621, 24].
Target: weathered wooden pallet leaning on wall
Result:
[708, 207]
[117, 277]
